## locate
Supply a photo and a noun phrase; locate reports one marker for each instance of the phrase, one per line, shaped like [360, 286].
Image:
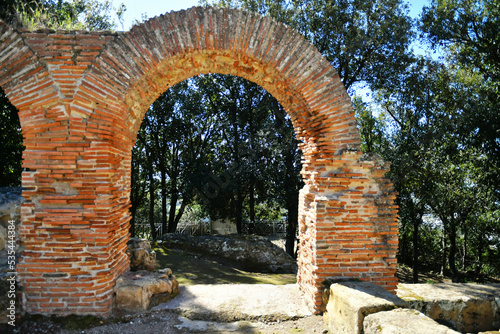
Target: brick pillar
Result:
[347, 226]
[74, 225]
[75, 219]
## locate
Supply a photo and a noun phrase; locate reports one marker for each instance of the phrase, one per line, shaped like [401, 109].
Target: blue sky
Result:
[152, 8]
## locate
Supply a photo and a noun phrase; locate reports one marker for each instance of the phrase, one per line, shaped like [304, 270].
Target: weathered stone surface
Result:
[223, 226]
[3, 237]
[465, 307]
[10, 210]
[403, 321]
[134, 290]
[5, 287]
[250, 252]
[10, 203]
[140, 254]
[350, 302]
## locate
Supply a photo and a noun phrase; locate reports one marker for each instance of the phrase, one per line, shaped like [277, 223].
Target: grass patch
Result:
[191, 268]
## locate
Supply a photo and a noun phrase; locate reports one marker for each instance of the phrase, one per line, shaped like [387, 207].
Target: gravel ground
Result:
[163, 321]
[226, 308]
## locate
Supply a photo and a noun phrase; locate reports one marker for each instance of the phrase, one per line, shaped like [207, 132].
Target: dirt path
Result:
[161, 322]
[229, 308]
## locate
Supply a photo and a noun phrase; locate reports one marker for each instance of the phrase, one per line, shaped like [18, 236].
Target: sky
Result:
[135, 8]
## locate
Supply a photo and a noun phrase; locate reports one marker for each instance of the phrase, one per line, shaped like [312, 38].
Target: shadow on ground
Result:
[191, 268]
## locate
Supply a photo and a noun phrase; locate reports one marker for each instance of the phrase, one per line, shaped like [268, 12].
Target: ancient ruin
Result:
[81, 97]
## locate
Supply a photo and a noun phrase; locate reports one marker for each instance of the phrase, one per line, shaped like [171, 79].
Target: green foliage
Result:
[469, 29]
[216, 142]
[11, 143]
[67, 15]
[360, 38]
[443, 142]
[371, 128]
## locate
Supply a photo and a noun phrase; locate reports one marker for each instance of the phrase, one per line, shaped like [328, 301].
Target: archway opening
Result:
[216, 154]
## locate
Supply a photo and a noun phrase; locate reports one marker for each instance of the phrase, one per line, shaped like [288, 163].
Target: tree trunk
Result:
[163, 198]
[251, 226]
[152, 203]
[293, 222]
[403, 238]
[171, 215]
[464, 255]
[178, 216]
[292, 185]
[479, 257]
[453, 249]
[416, 224]
[131, 229]
[239, 212]
[443, 253]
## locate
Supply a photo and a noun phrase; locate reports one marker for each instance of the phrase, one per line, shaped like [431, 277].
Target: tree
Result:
[11, 143]
[286, 175]
[59, 14]
[243, 155]
[468, 31]
[366, 41]
[143, 153]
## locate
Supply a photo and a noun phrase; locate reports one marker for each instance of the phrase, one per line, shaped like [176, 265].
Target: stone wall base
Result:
[354, 307]
[464, 307]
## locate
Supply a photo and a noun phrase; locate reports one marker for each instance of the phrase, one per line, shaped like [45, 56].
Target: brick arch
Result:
[81, 99]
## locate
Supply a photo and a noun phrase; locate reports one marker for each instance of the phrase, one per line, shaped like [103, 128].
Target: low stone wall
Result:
[350, 302]
[403, 321]
[362, 307]
[468, 308]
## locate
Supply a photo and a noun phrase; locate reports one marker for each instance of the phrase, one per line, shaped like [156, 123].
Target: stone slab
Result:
[403, 321]
[350, 302]
[134, 290]
[465, 307]
[239, 301]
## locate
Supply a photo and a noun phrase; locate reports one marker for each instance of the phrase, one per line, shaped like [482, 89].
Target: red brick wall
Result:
[81, 98]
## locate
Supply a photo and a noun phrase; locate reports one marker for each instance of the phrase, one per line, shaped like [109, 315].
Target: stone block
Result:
[223, 226]
[464, 307]
[3, 237]
[10, 210]
[350, 302]
[403, 321]
[134, 290]
[140, 254]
